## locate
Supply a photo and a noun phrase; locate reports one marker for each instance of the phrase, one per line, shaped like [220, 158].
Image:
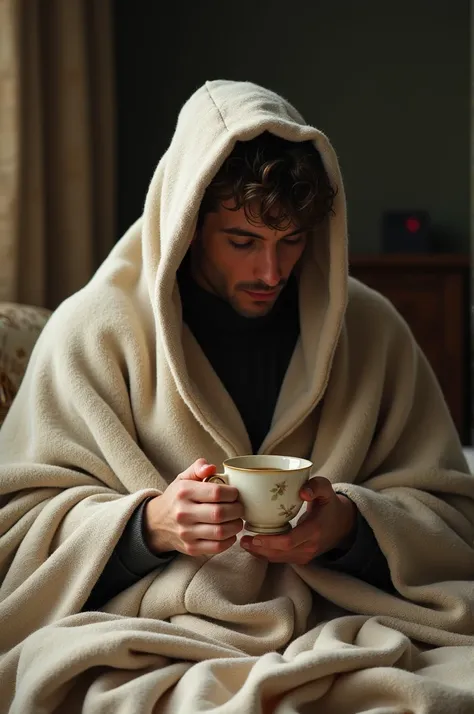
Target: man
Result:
[224, 323]
[239, 278]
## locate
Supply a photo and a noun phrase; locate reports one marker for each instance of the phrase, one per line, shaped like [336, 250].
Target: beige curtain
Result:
[57, 146]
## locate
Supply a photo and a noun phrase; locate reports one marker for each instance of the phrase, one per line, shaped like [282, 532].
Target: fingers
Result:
[206, 531]
[193, 488]
[197, 471]
[296, 557]
[303, 536]
[260, 548]
[302, 555]
[318, 489]
[210, 513]
[199, 492]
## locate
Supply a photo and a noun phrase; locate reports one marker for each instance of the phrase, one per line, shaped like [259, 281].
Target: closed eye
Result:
[250, 243]
[294, 241]
[241, 246]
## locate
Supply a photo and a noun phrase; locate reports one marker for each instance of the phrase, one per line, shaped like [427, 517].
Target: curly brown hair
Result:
[277, 182]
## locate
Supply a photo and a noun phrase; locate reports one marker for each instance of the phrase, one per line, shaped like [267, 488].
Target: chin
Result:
[252, 312]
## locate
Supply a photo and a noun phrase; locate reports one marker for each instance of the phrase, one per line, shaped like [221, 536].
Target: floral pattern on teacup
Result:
[288, 512]
[278, 490]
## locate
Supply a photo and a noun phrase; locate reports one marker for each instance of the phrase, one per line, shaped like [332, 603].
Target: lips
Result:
[261, 297]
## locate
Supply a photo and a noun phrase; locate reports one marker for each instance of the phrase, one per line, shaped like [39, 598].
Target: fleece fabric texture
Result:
[130, 561]
[109, 414]
[252, 368]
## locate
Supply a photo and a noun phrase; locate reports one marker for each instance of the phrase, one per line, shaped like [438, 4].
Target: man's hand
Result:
[328, 523]
[192, 517]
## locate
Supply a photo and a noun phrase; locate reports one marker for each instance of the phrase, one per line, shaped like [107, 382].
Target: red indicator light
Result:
[412, 225]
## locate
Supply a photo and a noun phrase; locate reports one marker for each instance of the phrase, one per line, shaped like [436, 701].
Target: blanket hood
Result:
[217, 115]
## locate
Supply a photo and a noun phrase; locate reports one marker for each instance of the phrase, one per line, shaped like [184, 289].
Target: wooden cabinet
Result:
[432, 294]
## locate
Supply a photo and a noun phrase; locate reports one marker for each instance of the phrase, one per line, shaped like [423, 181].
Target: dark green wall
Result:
[388, 82]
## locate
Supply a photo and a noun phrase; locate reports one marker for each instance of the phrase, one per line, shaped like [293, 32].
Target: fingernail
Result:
[257, 542]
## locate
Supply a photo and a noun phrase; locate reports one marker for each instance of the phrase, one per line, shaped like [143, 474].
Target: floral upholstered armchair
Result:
[20, 326]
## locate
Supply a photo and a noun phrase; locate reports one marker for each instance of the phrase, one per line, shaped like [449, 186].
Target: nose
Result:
[268, 268]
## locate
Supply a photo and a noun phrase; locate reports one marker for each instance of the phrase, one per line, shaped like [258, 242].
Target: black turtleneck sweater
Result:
[252, 369]
[249, 355]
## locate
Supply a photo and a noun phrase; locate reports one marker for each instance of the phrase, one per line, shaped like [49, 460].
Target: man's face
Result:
[245, 264]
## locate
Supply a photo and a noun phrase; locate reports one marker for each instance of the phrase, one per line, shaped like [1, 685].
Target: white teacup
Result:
[268, 487]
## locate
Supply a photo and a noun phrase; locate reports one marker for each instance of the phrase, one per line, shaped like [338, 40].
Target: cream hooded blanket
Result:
[119, 398]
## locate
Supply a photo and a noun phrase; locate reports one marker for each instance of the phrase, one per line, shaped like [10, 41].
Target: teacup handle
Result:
[216, 478]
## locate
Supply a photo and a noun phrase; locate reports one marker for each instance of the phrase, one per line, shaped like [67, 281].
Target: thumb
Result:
[197, 471]
[306, 493]
[317, 487]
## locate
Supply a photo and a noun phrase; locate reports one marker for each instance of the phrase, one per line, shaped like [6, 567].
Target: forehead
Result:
[228, 216]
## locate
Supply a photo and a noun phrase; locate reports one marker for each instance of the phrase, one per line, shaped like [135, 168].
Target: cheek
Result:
[290, 258]
[224, 264]
[238, 268]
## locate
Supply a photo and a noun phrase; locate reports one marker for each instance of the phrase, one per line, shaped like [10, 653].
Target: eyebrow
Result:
[249, 234]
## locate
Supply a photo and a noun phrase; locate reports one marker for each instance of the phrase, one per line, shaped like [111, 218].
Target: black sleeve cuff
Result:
[364, 560]
[132, 550]
[130, 561]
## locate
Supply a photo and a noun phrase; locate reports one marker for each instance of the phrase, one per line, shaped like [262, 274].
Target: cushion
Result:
[20, 326]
